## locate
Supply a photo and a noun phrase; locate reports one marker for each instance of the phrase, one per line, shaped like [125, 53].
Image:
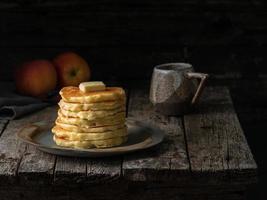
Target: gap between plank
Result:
[186, 145]
[121, 173]
[86, 169]
[4, 127]
[128, 94]
[54, 169]
[20, 159]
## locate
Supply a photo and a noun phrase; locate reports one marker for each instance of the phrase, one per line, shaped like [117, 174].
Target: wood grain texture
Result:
[221, 164]
[215, 140]
[36, 165]
[155, 163]
[70, 170]
[11, 149]
[104, 170]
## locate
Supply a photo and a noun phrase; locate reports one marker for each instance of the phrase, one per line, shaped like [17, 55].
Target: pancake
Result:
[89, 119]
[107, 105]
[91, 115]
[85, 129]
[74, 95]
[90, 143]
[117, 118]
[77, 136]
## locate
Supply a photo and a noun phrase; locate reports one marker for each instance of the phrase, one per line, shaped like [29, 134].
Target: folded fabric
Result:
[13, 106]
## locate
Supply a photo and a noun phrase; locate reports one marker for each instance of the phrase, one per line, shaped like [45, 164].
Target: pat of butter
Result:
[92, 86]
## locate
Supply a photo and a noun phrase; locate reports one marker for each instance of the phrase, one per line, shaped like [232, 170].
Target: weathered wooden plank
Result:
[70, 170]
[11, 149]
[104, 170]
[215, 139]
[155, 163]
[35, 165]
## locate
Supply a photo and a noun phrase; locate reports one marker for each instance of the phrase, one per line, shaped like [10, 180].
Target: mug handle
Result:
[203, 77]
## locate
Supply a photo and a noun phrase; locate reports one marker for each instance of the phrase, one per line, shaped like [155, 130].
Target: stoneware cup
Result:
[174, 88]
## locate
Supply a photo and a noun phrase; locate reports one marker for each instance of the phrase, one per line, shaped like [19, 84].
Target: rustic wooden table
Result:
[205, 156]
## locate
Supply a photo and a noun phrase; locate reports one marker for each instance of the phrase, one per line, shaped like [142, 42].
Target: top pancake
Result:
[74, 95]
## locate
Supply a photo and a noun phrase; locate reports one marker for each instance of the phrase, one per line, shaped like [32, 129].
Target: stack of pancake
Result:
[93, 119]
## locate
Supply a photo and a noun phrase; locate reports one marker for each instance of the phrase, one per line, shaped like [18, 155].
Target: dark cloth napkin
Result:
[13, 105]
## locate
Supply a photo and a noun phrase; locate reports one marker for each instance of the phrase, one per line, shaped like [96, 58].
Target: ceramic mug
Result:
[174, 88]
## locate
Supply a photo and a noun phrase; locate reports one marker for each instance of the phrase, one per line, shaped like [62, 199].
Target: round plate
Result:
[140, 136]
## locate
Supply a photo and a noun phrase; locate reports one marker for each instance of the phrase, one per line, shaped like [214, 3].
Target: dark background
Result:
[122, 41]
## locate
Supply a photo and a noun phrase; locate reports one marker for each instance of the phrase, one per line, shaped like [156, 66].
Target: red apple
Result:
[36, 78]
[72, 69]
